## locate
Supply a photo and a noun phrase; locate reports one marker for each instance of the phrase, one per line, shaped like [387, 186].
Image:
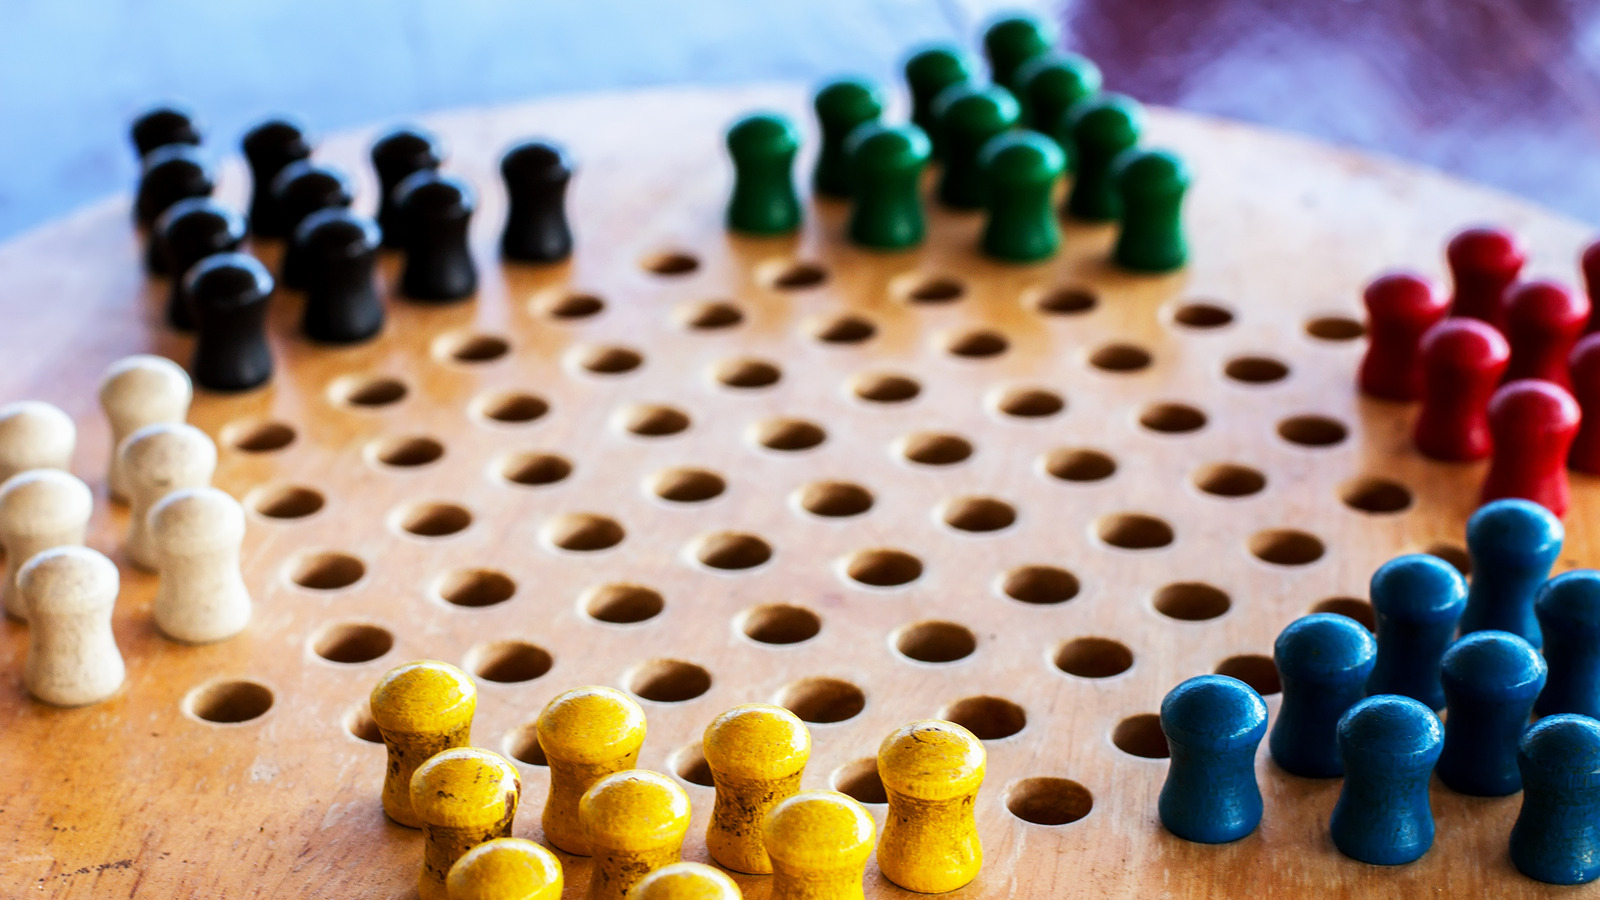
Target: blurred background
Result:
[1498, 91]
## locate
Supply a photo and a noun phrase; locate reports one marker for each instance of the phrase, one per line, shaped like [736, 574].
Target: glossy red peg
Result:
[1585, 369]
[1483, 263]
[1543, 320]
[1532, 424]
[1401, 307]
[1462, 361]
[1590, 263]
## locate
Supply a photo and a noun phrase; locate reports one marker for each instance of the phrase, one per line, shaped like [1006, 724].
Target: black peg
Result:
[435, 210]
[189, 231]
[396, 155]
[536, 175]
[164, 125]
[269, 147]
[340, 249]
[229, 294]
[302, 188]
[170, 173]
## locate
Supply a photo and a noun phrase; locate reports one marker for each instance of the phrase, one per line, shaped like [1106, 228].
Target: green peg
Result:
[763, 146]
[1022, 167]
[928, 72]
[1050, 83]
[886, 164]
[1151, 184]
[841, 105]
[1098, 128]
[1011, 40]
[969, 115]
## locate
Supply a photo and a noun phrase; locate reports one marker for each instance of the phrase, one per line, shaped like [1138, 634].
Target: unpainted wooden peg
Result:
[137, 391]
[35, 435]
[196, 533]
[39, 509]
[73, 658]
[157, 460]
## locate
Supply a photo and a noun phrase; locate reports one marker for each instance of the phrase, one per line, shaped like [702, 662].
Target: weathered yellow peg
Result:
[586, 734]
[505, 868]
[819, 842]
[931, 771]
[464, 797]
[685, 881]
[421, 708]
[756, 754]
[635, 822]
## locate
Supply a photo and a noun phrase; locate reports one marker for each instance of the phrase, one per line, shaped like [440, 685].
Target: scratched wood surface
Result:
[714, 470]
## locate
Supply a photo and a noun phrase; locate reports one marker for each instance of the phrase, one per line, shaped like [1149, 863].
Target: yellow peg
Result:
[819, 842]
[635, 822]
[421, 708]
[586, 733]
[931, 771]
[757, 754]
[464, 797]
[506, 868]
[685, 881]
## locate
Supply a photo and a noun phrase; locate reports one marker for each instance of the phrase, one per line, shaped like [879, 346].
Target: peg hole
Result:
[835, 499]
[859, 780]
[352, 642]
[433, 520]
[512, 407]
[886, 388]
[1031, 403]
[789, 435]
[1094, 657]
[688, 485]
[669, 681]
[1260, 672]
[884, 568]
[229, 702]
[529, 469]
[407, 452]
[1313, 431]
[287, 502]
[1049, 801]
[1202, 316]
[509, 662]
[936, 642]
[823, 701]
[1172, 418]
[476, 588]
[988, 718]
[781, 624]
[327, 571]
[258, 436]
[623, 604]
[1191, 601]
[1080, 465]
[710, 316]
[931, 449]
[1120, 358]
[584, 532]
[1141, 735]
[1040, 585]
[1335, 328]
[1230, 480]
[672, 262]
[1286, 547]
[845, 330]
[1378, 496]
[655, 421]
[1350, 608]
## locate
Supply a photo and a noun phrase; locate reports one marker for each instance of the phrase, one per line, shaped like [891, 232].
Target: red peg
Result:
[1533, 423]
[1585, 455]
[1591, 281]
[1401, 307]
[1462, 361]
[1483, 263]
[1543, 320]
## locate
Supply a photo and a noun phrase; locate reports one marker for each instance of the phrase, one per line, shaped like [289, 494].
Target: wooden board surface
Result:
[140, 796]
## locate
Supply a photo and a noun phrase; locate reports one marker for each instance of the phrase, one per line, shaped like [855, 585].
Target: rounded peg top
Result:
[43, 502]
[404, 150]
[170, 173]
[1149, 174]
[757, 741]
[1535, 408]
[876, 149]
[936, 65]
[1012, 39]
[1571, 599]
[976, 109]
[1112, 120]
[69, 580]
[1404, 298]
[303, 187]
[762, 136]
[431, 196]
[536, 162]
[847, 102]
[163, 125]
[591, 725]
[506, 868]
[1214, 712]
[1051, 82]
[1388, 730]
[634, 810]
[685, 881]
[1565, 749]
[277, 141]
[465, 787]
[1542, 306]
[1494, 667]
[1482, 251]
[1022, 159]
[167, 454]
[1464, 345]
[337, 233]
[931, 759]
[1324, 647]
[1418, 587]
[226, 281]
[34, 435]
[425, 696]
[819, 830]
[1514, 532]
[145, 388]
[197, 521]
[195, 228]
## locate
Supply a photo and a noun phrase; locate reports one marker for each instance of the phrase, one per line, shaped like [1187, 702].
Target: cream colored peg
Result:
[137, 391]
[159, 459]
[196, 533]
[73, 658]
[35, 435]
[39, 509]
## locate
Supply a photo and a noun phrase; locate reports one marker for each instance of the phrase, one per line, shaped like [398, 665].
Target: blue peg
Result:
[1418, 600]
[1213, 725]
[1490, 681]
[1323, 663]
[1389, 744]
[1513, 544]
[1557, 835]
[1568, 607]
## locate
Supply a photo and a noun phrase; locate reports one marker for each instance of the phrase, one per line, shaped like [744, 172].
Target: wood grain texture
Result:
[141, 797]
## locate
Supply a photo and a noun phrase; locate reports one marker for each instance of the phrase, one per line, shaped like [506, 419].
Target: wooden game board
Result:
[979, 407]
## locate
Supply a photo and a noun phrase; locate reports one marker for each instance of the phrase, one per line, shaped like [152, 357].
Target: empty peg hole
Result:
[360, 725]
[1141, 735]
[1134, 531]
[610, 360]
[690, 764]
[407, 452]
[978, 344]
[859, 780]
[732, 551]
[710, 316]
[936, 642]
[655, 421]
[1080, 465]
[1457, 557]
[1172, 418]
[1350, 608]
[936, 289]
[1040, 585]
[1049, 801]
[1066, 301]
[1260, 672]
[286, 502]
[1120, 358]
[988, 718]
[258, 436]
[886, 388]
[1031, 403]
[780, 623]
[1335, 328]
[1286, 547]
[476, 588]
[512, 407]
[574, 306]
[979, 514]
[472, 349]
[1376, 495]
[821, 701]
[688, 485]
[1191, 601]
[523, 745]
[884, 568]
[623, 604]
[509, 662]
[835, 499]
[1230, 480]
[1312, 431]
[1202, 315]
[1255, 370]
[229, 702]
[327, 571]
[747, 374]
[845, 330]
[583, 532]
[789, 435]
[931, 449]
[669, 680]
[797, 275]
[530, 469]
[671, 262]
[433, 520]
[352, 642]
[1094, 657]
[369, 391]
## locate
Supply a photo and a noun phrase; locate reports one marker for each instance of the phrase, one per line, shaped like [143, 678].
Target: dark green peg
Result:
[886, 164]
[841, 105]
[928, 72]
[1050, 83]
[1012, 40]
[969, 115]
[1022, 168]
[1098, 128]
[1150, 184]
[764, 202]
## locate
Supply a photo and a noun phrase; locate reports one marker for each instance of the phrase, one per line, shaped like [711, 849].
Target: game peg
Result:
[1098, 128]
[586, 734]
[1555, 839]
[1490, 681]
[1417, 599]
[464, 797]
[157, 460]
[1483, 263]
[763, 202]
[1048, 85]
[169, 174]
[841, 106]
[196, 533]
[396, 155]
[268, 148]
[39, 509]
[189, 231]
[756, 754]
[819, 842]
[73, 658]
[1462, 361]
[505, 868]
[931, 771]
[886, 210]
[1401, 307]
[1323, 662]
[436, 210]
[340, 249]
[1013, 39]
[136, 391]
[1568, 607]
[35, 435]
[1531, 425]
[1589, 265]
[1021, 169]
[1389, 745]
[634, 821]
[421, 708]
[1543, 321]
[1513, 543]
[1150, 185]
[1584, 369]
[163, 125]
[969, 115]
[536, 174]
[928, 72]
[1213, 724]
[228, 294]
[302, 188]
[685, 881]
